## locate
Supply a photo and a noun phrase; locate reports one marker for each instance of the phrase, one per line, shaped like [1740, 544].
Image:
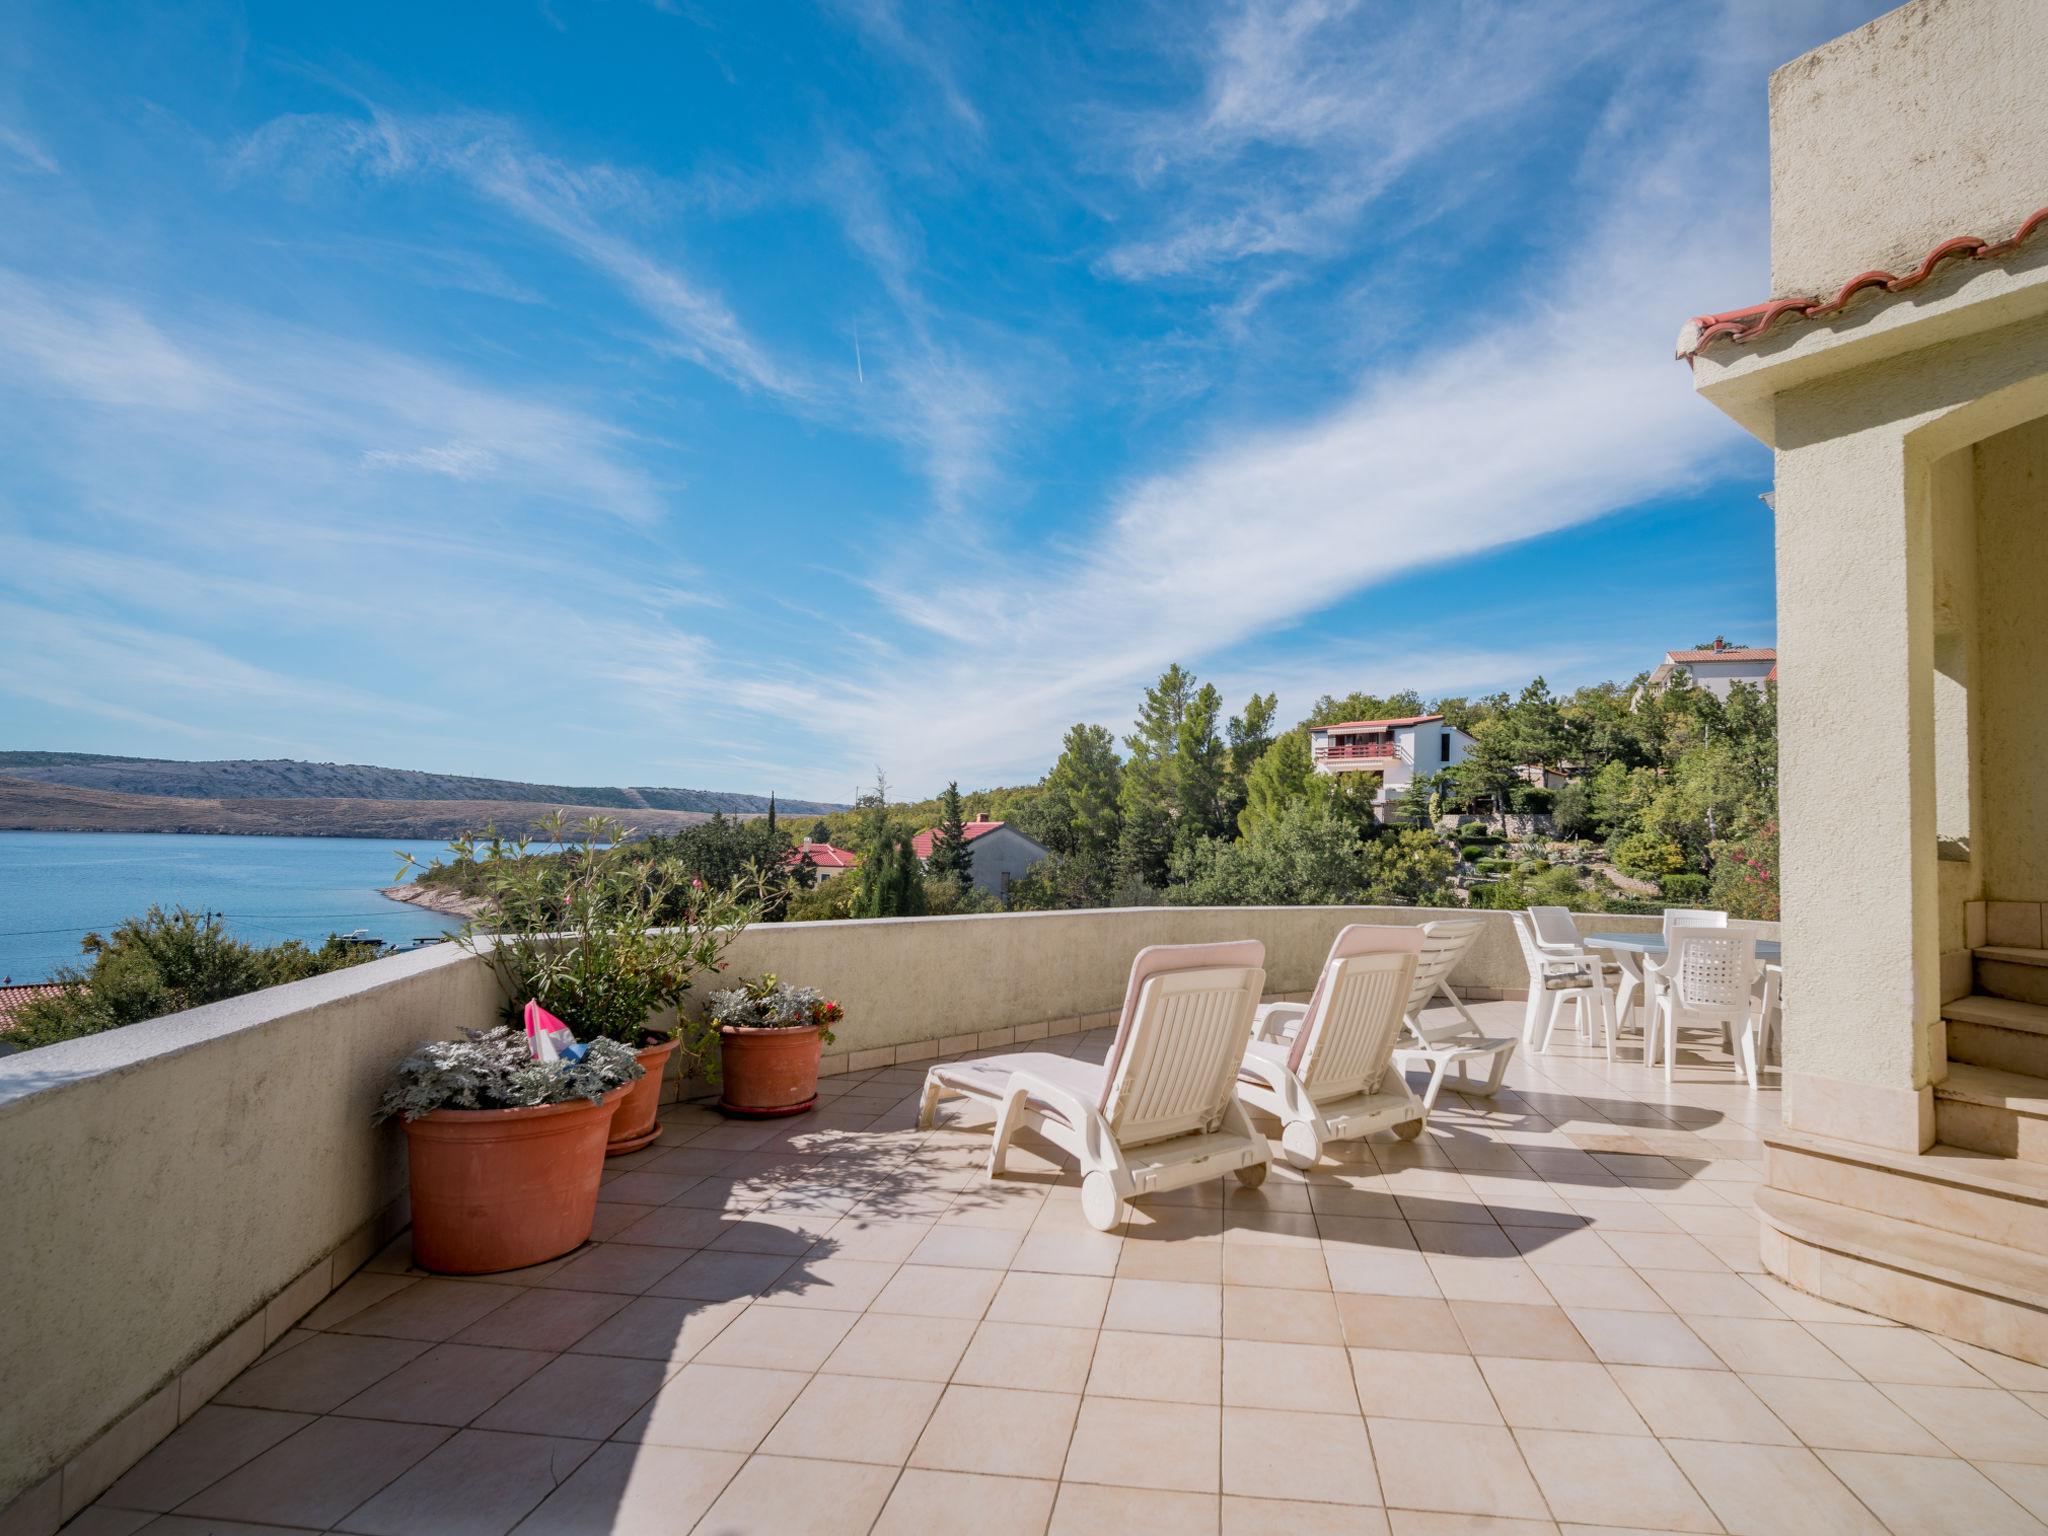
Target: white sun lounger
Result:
[1437, 1045]
[1330, 1081]
[1161, 1112]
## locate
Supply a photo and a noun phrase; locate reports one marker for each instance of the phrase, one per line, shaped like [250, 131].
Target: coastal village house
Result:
[1902, 378]
[1001, 853]
[1719, 667]
[1397, 750]
[829, 862]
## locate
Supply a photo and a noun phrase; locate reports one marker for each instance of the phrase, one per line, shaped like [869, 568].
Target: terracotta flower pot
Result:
[769, 1072]
[500, 1189]
[637, 1123]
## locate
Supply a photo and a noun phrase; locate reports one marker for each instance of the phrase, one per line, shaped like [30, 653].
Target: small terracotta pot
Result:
[638, 1122]
[769, 1072]
[500, 1189]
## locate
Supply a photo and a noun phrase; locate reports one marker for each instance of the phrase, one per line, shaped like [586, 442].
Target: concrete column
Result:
[1856, 780]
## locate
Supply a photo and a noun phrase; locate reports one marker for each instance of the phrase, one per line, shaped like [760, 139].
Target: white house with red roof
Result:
[1001, 853]
[1397, 750]
[1719, 667]
[827, 860]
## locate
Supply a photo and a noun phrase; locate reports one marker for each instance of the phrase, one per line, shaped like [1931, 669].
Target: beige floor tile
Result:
[1977, 1423]
[998, 1430]
[2027, 1485]
[675, 1226]
[1926, 1496]
[930, 1290]
[1420, 1522]
[838, 1285]
[1399, 1322]
[2014, 1375]
[1901, 1355]
[1664, 1250]
[450, 1384]
[715, 1408]
[903, 1348]
[1294, 1517]
[779, 1338]
[1468, 1279]
[659, 1328]
[968, 1247]
[1278, 1316]
[1163, 1367]
[1134, 1444]
[855, 1418]
[1087, 1509]
[1560, 1394]
[543, 1320]
[882, 1240]
[1625, 1480]
[1054, 1300]
[926, 1502]
[801, 1497]
[1194, 1261]
[212, 1443]
[1640, 1338]
[583, 1396]
[1367, 1234]
[1765, 1347]
[1164, 1306]
[1750, 1489]
[1308, 1378]
[355, 1294]
[476, 1484]
[318, 1475]
[1065, 1251]
[1028, 1355]
[626, 1269]
[430, 1309]
[1379, 1272]
[1404, 1384]
[1469, 1469]
[1843, 1415]
[1286, 1268]
[1618, 1290]
[1323, 1458]
[1696, 1293]
[634, 1490]
[106, 1520]
[1507, 1328]
[320, 1373]
[1700, 1405]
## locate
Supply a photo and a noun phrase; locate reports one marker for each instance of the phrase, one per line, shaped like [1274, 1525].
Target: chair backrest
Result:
[1172, 1065]
[1533, 954]
[1691, 917]
[1710, 969]
[1554, 925]
[1444, 943]
[1354, 1016]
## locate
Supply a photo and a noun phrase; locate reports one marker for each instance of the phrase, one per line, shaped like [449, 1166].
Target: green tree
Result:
[1150, 793]
[821, 832]
[890, 879]
[1201, 771]
[1080, 819]
[1488, 771]
[1250, 737]
[1283, 776]
[951, 858]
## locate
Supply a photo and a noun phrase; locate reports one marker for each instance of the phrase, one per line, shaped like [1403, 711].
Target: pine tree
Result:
[771, 810]
[1149, 795]
[891, 881]
[951, 858]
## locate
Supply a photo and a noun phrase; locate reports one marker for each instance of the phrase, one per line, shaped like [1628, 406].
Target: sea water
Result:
[56, 887]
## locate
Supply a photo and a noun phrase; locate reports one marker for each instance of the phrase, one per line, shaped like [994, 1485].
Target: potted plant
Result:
[604, 936]
[504, 1152]
[769, 1039]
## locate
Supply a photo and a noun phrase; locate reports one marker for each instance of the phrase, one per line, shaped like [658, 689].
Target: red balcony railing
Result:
[1355, 751]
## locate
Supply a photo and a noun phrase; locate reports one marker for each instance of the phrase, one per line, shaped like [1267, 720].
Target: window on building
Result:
[1444, 751]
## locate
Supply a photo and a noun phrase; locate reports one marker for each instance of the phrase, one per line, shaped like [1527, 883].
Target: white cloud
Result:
[24, 148]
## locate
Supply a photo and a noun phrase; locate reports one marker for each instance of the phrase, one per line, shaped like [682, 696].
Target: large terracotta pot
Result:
[638, 1122]
[769, 1071]
[500, 1189]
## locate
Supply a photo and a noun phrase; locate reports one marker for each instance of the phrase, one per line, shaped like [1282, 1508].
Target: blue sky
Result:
[748, 395]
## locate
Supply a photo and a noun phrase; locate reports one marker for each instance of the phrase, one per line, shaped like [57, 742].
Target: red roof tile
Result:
[1740, 325]
[1376, 725]
[1723, 653]
[14, 999]
[825, 856]
[922, 843]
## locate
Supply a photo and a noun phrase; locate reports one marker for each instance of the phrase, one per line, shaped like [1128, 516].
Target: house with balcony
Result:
[1000, 853]
[1399, 751]
[1719, 667]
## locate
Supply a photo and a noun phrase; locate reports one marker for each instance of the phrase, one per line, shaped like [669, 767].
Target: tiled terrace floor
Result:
[1546, 1315]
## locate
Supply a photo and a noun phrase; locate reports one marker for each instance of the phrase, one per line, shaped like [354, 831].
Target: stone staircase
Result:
[1954, 1238]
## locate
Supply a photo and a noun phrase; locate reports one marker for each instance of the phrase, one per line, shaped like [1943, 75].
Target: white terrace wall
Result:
[179, 1193]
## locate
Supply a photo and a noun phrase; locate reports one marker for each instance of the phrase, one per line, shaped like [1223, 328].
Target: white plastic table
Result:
[1631, 949]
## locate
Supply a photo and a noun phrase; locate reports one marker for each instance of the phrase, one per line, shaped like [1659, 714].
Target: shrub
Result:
[1648, 856]
[1528, 800]
[1496, 866]
[765, 1003]
[493, 1069]
[826, 901]
[1682, 889]
[1572, 812]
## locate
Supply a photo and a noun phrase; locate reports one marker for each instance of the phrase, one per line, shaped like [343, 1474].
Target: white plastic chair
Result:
[1331, 1081]
[1557, 975]
[1708, 976]
[1162, 1112]
[1558, 935]
[1654, 969]
[1439, 1044]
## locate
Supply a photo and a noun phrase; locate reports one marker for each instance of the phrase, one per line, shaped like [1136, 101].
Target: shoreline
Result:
[434, 899]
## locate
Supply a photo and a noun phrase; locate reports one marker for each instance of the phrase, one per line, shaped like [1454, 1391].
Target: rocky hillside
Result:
[286, 779]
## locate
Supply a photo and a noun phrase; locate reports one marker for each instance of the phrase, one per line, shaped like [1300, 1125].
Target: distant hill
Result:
[281, 778]
[27, 805]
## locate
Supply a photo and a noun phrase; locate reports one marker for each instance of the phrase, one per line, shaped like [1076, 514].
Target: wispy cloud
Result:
[25, 150]
[884, 25]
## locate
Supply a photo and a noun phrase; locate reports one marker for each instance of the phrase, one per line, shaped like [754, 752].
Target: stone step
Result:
[1984, 1293]
[2010, 971]
[1986, 1110]
[1949, 1188]
[1998, 1032]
